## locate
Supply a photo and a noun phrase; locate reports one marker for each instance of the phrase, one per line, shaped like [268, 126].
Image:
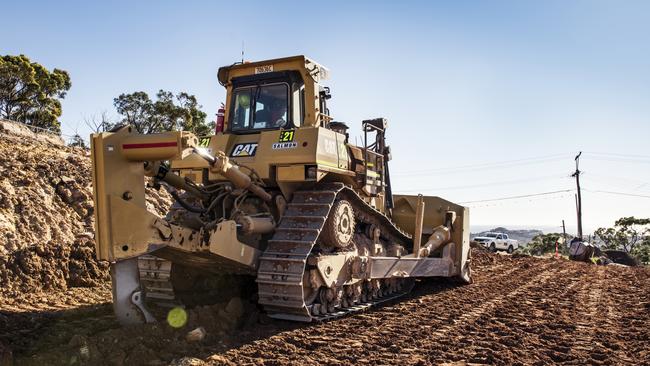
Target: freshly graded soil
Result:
[521, 310]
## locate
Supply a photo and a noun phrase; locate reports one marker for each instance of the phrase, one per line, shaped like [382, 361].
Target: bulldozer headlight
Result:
[310, 173]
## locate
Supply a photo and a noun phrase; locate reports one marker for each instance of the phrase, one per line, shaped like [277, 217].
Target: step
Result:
[269, 257]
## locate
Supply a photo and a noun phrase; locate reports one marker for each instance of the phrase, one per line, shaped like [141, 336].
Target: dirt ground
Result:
[55, 299]
[519, 310]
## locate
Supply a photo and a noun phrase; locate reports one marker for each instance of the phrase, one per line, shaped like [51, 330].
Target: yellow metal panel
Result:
[291, 173]
[343, 157]
[224, 242]
[328, 151]
[269, 150]
[192, 174]
[99, 194]
[113, 176]
[118, 176]
[132, 228]
[434, 215]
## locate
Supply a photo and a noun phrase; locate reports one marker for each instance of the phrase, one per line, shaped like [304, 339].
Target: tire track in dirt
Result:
[393, 333]
[491, 335]
[486, 307]
[543, 327]
[588, 300]
[472, 307]
[533, 321]
[622, 335]
[520, 310]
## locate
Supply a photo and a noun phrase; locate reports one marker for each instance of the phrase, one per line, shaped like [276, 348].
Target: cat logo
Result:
[241, 150]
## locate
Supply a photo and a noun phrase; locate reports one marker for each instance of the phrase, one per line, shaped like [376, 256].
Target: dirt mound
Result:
[32, 133]
[46, 216]
[621, 257]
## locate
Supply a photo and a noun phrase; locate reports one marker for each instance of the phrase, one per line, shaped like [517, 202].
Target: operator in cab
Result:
[273, 114]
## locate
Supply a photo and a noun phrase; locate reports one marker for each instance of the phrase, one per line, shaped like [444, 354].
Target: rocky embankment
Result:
[46, 214]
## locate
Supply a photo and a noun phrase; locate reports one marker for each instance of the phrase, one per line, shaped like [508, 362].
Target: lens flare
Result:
[177, 317]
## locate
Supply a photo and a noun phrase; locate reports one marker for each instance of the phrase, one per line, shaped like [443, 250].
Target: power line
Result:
[533, 160]
[602, 177]
[520, 196]
[611, 182]
[482, 166]
[553, 192]
[560, 196]
[619, 193]
[617, 159]
[555, 176]
[619, 155]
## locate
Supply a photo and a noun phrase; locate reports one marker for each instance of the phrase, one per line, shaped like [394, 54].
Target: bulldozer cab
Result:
[277, 123]
[275, 94]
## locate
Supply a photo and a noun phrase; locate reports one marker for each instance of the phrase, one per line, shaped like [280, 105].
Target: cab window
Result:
[261, 107]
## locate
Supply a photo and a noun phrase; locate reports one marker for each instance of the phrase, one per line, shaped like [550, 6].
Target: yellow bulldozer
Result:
[277, 201]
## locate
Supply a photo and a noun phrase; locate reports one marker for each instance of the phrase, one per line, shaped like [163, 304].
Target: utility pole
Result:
[564, 232]
[579, 197]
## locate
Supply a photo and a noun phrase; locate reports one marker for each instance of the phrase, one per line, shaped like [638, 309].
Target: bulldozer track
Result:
[282, 265]
[359, 307]
[155, 278]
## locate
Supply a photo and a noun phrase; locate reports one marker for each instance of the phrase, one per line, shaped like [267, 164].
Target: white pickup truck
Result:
[497, 241]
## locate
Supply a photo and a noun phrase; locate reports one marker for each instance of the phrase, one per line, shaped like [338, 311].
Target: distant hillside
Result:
[523, 236]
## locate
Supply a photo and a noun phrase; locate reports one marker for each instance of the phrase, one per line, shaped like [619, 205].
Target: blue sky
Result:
[485, 99]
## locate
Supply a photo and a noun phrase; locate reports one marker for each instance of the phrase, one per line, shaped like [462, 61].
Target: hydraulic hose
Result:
[185, 205]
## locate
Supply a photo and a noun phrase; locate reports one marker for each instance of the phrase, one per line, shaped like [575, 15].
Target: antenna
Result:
[242, 51]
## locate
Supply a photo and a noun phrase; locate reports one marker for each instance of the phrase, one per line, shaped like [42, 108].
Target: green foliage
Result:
[628, 234]
[78, 141]
[180, 112]
[30, 94]
[545, 243]
[642, 251]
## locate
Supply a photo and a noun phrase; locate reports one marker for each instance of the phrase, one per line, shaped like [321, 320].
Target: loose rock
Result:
[196, 335]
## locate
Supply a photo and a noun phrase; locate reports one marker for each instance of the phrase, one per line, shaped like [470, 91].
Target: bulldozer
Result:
[278, 201]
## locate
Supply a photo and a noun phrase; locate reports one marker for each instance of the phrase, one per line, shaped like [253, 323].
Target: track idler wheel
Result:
[339, 228]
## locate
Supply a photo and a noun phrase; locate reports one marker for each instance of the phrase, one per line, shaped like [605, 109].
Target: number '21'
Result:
[286, 136]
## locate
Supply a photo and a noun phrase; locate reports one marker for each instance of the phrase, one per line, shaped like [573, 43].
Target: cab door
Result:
[501, 242]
